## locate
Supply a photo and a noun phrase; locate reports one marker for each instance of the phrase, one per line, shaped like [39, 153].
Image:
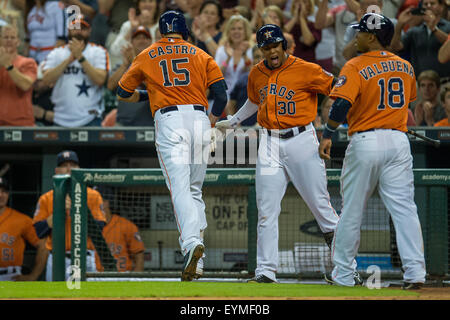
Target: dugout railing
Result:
[141, 196]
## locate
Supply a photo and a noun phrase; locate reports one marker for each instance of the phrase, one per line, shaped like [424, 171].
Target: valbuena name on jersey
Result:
[386, 66]
[171, 49]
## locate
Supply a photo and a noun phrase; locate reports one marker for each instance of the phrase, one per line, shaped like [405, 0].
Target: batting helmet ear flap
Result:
[284, 45]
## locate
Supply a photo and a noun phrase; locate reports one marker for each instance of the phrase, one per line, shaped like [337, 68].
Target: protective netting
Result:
[302, 249]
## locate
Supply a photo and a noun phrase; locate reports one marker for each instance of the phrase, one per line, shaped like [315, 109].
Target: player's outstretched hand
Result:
[224, 125]
[325, 148]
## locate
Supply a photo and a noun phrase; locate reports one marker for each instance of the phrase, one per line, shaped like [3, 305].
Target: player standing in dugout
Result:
[373, 92]
[177, 76]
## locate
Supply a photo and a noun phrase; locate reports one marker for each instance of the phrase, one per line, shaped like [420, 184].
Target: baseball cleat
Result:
[198, 273]
[412, 286]
[356, 278]
[261, 279]
[190, 262]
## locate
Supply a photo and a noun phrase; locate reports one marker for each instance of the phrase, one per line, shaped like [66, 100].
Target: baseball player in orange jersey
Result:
[124, 241]
[43, 216]
[373, 91]
[15, 229]
[286, 103]
[177, 76]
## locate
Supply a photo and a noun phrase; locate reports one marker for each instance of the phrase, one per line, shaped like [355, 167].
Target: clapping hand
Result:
[76, 47]
[128, 54]
[134, 21]
[5, 57]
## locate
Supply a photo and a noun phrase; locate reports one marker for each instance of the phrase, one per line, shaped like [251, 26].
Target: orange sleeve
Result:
[322, 80]
[213, 71]
[29, 233]
[133, 77]
[134, 240]
[43, 208]
[347, 85]
[413, 95]
[95, 204]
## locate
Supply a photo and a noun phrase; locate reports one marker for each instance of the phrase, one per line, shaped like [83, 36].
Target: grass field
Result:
[199, 290]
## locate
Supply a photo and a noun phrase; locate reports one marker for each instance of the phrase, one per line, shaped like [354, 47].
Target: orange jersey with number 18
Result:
[174, 71]
[379, 85]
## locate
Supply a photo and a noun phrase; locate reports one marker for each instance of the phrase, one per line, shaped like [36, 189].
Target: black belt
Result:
[7, 271]
[287, 134]
[175, 108]
[365, 131]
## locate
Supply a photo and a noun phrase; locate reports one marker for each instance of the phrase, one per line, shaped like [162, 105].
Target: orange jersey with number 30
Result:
[174, 71]
[287, 96]
[379, 85]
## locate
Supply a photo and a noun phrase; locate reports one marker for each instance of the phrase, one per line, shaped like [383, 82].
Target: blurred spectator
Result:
[78, 72]
[17, 75]
[391, 8]
[364, 6]
[325, 49]
[145, 14]
[131, 114]
[12, 13]
[266, 14]
[123, 239]
[16, 229]
[229, 8]
[428, 110]
[192, 11]
[338, 18]
[46, 27]
[290, 43]
[88, 8]
[207, 26]
[234, 54]
[43, 216]
[238, 95]
[445, 98]
[444, 51]
[411, 122]
[42, 104]
[116, 12]
[424, 40]
[305, 34]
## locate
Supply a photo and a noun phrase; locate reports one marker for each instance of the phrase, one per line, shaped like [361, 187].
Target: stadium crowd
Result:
[43, 45]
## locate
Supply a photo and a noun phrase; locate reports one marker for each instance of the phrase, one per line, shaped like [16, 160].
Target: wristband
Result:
[143, 95]
[328, 132]
[82, 59]
[10, 68]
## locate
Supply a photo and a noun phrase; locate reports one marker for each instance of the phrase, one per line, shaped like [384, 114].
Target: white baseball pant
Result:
[183, 140]
[380, 157]
[8, 273]
[91, 266]
[279, 161]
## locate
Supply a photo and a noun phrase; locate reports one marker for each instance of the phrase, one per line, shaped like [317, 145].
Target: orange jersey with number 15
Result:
[379, 85]
[174, 71]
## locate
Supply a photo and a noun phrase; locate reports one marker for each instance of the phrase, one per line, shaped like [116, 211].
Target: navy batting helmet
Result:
[173, 22]
[378, 24]
[270, 33]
